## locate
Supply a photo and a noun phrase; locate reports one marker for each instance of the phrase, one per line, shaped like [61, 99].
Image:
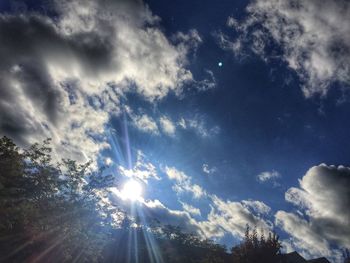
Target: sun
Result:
[132, 190]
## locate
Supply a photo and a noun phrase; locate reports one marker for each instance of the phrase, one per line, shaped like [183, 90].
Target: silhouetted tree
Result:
[254, 250]
[346, 255]
[49, 212]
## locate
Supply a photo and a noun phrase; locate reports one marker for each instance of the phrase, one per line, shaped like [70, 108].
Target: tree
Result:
[179, 246]
[253, 249]
[50, 212]
[346, 256]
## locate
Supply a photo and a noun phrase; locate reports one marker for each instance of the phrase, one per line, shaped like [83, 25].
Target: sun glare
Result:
[132, 190]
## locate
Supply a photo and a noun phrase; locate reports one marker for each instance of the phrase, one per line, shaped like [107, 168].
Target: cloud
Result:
[191, 37]
[191, 209]
[269, 176]
[108, 161]
[304, 238]
[184, 183]
[232, 217]
[324, 199]
[312, 37]
[199, 125]
[66, 75]
[143, 170]
[155, 211]
[145, 123]
[257, 206]
[174, 174]
[208, 170]
[167, 126]
[139, 52]
[225, 216]
[320, 224]
[266, 176]
[207, 83]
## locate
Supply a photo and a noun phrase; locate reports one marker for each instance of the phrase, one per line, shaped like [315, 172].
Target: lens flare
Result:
[132, 190]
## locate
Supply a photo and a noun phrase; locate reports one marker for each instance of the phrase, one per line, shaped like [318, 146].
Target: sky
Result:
[227, 112]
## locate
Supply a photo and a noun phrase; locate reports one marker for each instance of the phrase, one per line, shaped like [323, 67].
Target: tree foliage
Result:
[254, 249]
[49, 211]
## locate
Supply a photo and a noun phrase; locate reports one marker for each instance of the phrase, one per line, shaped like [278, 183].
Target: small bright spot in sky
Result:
[220, 64]
[132, 190]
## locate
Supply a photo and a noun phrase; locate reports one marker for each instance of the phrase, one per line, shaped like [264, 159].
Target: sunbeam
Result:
[132, 190]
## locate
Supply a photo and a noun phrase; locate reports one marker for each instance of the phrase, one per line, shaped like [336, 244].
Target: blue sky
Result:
[261, 139]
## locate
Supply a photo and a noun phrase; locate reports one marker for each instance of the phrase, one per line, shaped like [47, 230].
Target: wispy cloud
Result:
[225, 216]
[208, 170]
[145, 123]
[232, 217]
[271, 176]
[257, 206]
[184, 183]
[191, 209]
[142, 169]
[314, 38]
[167, 125]
[199, 125]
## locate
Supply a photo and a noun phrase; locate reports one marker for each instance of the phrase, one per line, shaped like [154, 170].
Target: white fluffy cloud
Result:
[314, 38]
[66, 75]
[167, 125]
[150, 210]
[225, 216]
[324, 199]
[139, 51]
[145, 123]
[184, 183]
[232, 217]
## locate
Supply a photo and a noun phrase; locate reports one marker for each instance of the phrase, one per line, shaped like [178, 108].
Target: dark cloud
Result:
[20, 71]
[28, 43]
[324, 198]
[51, 67]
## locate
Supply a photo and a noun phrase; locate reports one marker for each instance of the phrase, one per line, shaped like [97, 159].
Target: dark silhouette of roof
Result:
[293, 257]
[318, 260]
